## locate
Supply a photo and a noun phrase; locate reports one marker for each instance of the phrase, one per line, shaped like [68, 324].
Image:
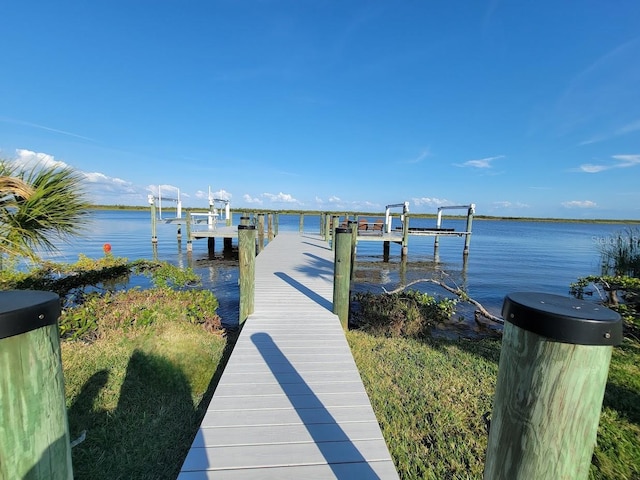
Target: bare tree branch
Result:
[456, 291]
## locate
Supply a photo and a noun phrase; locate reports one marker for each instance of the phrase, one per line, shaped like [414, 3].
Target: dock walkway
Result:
[290, 403]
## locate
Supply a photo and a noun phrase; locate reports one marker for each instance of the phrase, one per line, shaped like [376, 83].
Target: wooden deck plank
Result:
[290, 403]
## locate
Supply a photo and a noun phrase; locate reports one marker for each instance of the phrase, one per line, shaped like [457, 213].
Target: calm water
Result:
[505, 256]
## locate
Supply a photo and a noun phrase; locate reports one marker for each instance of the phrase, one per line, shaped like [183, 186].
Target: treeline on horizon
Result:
[373, 214]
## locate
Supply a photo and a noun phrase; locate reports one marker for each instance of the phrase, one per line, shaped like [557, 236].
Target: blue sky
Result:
[523, 108]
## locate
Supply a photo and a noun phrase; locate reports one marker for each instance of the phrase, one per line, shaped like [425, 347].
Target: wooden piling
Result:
[244, 220]
[270, 227]
[211, 246]
[467, 238]
[553, 370]
[301, 223]
[34, 432]
[246, 260]
[327, 227]
[385, 250]
[260, 232]
[276, 224]
[188, 226]
[405, 236]
[342, 274]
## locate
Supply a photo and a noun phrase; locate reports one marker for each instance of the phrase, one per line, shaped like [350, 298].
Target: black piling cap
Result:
[563, 319]
[343, 229]
[246, 227]
[22, 311]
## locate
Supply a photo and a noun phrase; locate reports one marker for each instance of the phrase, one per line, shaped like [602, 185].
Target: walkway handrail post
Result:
[34, 438]
[188, 226]
[467, 238]
[327, 227]
[552, 375]
[301, 225]
[342, 274]
[260, 232]
[270, 227]
[247, 269]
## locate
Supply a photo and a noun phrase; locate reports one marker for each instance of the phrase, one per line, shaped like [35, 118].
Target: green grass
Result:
[430, 397]
[139, 389]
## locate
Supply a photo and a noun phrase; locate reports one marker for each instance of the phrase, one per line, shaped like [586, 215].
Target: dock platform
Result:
[290, 403]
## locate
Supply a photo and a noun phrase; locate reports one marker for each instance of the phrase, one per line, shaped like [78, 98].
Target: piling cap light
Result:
[563, 319]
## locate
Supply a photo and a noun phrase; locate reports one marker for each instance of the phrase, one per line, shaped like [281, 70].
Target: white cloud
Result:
[222, 194]
[623, 161]
[27, 159]
[249, 199]
[423, 154]
[430, 202]
[579, 204]
[100, 183]
[319, 200]
[280, 198]
[166, 190]
[507, 204]
[334, 199]
[480, 163]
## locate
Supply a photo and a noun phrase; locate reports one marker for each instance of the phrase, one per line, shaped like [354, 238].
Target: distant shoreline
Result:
[381, 214]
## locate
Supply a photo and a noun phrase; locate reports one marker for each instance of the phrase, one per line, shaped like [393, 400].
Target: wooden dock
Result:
[290, 403]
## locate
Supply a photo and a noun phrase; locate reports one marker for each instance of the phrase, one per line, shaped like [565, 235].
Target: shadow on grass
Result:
[148, 434]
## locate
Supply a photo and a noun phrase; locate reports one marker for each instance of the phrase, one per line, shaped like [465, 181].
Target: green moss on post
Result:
[553, 371]
[34, 433]
[246, 260]
[342, 275]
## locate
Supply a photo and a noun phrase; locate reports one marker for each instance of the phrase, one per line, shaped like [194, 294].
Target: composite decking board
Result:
[360, 471]
[290, 402]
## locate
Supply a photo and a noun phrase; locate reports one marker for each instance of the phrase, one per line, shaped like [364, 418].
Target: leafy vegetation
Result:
[38, 206]
[404, 314]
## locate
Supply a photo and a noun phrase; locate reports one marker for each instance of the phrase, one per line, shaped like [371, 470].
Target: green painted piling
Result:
[270, 227]
[244, 220]
[34, 432]
[342, 274]
[301, 223]
[327, 227]
[552, 375]
[260, 232]
[246, 260]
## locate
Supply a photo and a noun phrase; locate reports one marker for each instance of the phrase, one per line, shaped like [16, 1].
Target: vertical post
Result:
[227, 213]
[467, 237]
[405, 235]
[327, 227]
[436, 240]
[385, 251]
[152, 202]
[269, 227]
[553, 371]
[188, 225]
[244, 220]
[247, 272]
[322, 225]
[276, 219]
[301, 225]
[34, 437]
[211, 246]
[342, 275]
[260, 232]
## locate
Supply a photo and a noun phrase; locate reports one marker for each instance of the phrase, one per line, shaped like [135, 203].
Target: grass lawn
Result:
[430, 397]
[139, 390]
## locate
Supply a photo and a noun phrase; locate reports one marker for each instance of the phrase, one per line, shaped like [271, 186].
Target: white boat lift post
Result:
[404, 218]
[467, 233]
[156, 213]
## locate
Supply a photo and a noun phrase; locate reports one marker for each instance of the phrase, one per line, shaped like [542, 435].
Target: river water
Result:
[505, 256]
